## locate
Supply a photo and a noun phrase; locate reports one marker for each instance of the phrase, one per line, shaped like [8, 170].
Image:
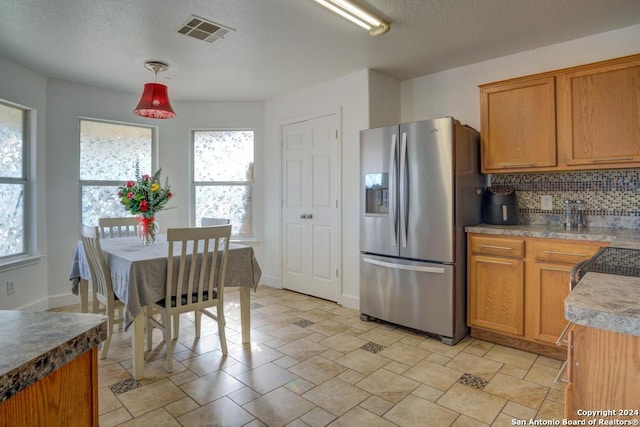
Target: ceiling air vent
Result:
[201, 29]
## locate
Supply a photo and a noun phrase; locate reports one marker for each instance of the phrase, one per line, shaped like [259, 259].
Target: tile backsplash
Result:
[611, 197]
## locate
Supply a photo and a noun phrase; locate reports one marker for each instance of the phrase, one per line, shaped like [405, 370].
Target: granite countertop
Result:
[604, 301]
[622, 238]
[34, 344]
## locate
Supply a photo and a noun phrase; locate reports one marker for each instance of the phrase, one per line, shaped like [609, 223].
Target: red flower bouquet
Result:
[145, 197]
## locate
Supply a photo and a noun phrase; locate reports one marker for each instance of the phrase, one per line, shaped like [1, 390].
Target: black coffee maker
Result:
[500, 206]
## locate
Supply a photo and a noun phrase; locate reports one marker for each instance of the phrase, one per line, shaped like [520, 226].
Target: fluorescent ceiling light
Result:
[357, 15]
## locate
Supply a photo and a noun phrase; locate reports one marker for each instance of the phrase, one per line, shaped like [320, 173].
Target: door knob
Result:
[309, 216]
[303, 216]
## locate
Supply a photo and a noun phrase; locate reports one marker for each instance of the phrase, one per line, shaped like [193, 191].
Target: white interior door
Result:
[310, 207]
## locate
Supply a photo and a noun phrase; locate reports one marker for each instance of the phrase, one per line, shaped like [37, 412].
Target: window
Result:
[108, 155]
[13, 181]
[223, 177]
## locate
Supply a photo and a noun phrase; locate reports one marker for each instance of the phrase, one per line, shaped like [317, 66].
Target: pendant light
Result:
[154, 102]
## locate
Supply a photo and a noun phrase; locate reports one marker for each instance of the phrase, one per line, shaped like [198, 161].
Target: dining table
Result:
[139, 272]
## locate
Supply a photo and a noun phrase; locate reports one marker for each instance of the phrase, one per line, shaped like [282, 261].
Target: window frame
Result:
[194, 184]
[28, 223]
[112, 183]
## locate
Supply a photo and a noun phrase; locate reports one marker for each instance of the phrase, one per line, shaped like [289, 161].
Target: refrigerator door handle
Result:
[392, 190]
[403, 191]
[423, 269]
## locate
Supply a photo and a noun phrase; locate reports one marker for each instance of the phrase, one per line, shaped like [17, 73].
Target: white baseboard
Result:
[272, 281]
[40, 305]
[350, 301]
[63, 300]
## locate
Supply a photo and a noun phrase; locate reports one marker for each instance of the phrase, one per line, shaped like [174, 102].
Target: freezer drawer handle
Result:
[438, 270]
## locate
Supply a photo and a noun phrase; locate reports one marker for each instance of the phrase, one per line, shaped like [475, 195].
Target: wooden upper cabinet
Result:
[579, 118]
[518, 125]
[600, 109]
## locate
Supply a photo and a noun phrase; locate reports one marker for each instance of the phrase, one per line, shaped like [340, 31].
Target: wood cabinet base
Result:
[604, 374]
[66, 397]
[516, 289]
[559, 353]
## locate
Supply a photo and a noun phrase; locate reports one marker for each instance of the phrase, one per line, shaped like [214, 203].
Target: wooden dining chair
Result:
[101, 277]
[111, 228]
[118, 227]
[206, 221]
[193, 286]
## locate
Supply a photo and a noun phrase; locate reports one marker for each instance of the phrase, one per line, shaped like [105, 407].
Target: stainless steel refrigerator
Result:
[420, 186]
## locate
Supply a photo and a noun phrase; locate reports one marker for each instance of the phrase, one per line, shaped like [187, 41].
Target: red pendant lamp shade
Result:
[154, 102]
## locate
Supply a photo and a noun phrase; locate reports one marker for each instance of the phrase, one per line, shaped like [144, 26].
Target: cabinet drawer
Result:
[502, 246]
[569, 253]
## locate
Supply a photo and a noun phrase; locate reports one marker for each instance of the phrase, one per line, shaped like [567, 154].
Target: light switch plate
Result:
[546, 203]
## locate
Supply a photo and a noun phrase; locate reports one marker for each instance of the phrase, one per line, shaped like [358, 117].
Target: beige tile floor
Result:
[314, 363]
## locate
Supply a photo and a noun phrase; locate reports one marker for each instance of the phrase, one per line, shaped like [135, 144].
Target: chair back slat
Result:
[118, 227]
[197, 273]
[98, 267]
[206, 221]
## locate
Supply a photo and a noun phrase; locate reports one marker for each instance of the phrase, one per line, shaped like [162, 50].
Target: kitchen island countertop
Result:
[34, 344]
[605, 301]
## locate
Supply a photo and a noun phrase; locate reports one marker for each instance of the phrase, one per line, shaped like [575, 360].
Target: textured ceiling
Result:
[281, 45]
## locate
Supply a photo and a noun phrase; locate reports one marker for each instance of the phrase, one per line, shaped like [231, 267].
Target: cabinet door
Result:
[518, 122]
[496, 293]
[600, 115]
[549, 287]
[66, 397]
[549, 266]
[605, 371]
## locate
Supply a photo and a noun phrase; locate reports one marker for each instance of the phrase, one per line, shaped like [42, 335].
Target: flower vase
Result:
[147, 230]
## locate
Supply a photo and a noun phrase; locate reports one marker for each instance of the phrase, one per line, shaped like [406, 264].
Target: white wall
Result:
[384, 100]
[349, 94]
[455, 92]
[26, 88]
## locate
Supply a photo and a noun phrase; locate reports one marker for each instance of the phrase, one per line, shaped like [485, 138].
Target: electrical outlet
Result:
[10, 288]
[546, 203]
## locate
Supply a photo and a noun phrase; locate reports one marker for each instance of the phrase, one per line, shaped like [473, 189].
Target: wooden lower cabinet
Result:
[497, 284]
[548, 273]
[549, 286]
[517, 299]
[66, 397]
[604, 373]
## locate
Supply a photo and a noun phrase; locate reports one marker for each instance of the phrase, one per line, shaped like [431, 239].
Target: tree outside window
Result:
[108, 155]
[223, 177]
[13, 181]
